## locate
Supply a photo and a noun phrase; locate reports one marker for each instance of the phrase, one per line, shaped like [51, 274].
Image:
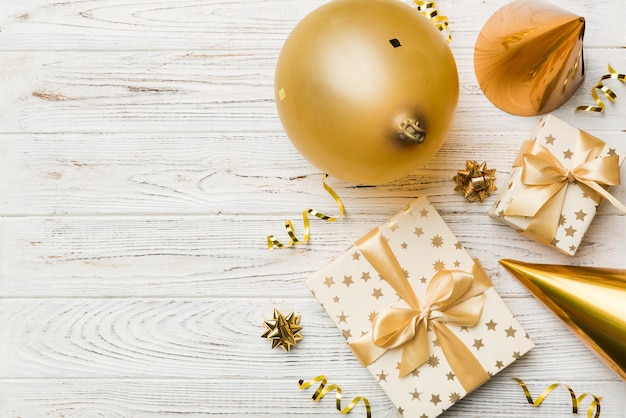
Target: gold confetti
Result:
[273, 242]
[475, 182]
[608, 93]
[595, 404]
[322, 390]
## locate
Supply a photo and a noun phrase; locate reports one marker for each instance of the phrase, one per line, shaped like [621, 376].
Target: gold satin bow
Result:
[452, 296]
[547, 180]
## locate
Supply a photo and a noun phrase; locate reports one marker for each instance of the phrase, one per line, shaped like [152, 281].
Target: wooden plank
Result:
[81, 174]
[147, 398]
[96, 92]
[206, 256]
[139, 357]
[206, 338]
[229, 24]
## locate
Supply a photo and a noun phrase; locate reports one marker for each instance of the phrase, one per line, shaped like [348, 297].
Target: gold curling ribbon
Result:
[546, 182]
[595, 404]
[452, 297]
[429, 9]
[273, 242]
[608, 93]
[322, 390]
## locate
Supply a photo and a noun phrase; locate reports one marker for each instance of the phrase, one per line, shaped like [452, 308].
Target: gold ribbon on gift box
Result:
[453, 297]
[547, 181]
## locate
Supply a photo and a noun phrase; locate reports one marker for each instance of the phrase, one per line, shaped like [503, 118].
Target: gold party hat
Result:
[590, 301]
[529, 57]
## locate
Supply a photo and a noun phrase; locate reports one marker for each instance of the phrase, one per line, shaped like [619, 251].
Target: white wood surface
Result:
[142, 164]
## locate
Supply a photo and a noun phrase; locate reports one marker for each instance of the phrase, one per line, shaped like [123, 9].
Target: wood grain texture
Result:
[216, 347]
[218, 338]
[148, 398]
[115, 91]
[228, 24]
[142, 164]
[206, 256]
[57, 174]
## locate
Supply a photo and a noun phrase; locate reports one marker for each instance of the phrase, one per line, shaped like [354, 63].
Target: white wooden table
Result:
[142, 164]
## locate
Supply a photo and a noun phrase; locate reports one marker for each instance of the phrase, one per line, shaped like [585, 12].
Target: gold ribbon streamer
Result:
[429, 9]
[273, 242]
[576, 401]
[452, 297]
[322, 390]
[607, 92]
[546, 182]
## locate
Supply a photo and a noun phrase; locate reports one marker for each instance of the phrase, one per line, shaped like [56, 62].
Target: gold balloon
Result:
[590, 301]
[528, 57]
[360, 84]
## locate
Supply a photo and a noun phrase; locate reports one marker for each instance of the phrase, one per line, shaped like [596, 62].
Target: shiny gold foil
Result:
[589, 300]
[273, 242]
[528, 57]
[607, 92]
[576, 401]
[429, 9]
[475, 182]
[369, 89]
[322, 390]
[283, 331]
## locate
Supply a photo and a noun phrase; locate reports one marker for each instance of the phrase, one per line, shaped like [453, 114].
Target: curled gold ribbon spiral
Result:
[429, 9]
[322, 390]
[273, 242]
[607, 92]
[595, 404]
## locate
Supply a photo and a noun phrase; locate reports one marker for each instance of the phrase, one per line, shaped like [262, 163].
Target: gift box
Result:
[559, 178]
[419, 312]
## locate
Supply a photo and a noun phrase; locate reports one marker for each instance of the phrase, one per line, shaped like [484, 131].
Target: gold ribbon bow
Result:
[547, 180]
[453, 296]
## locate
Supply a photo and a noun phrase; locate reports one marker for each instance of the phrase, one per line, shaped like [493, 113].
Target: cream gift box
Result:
[410, 301]
[558, 180]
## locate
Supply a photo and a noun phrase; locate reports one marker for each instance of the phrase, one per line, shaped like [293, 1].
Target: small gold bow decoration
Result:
[284, 331]
[547, 180]
[475, 182]
[453, 297]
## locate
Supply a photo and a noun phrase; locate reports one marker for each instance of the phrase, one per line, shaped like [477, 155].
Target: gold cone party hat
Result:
[590, 301]
[529, 57]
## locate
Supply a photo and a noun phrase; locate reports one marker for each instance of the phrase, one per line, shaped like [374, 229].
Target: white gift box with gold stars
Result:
[561, 220]
[356, 295]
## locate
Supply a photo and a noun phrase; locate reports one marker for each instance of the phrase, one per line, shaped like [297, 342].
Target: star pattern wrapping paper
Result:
[353, 294]
[578, 208]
